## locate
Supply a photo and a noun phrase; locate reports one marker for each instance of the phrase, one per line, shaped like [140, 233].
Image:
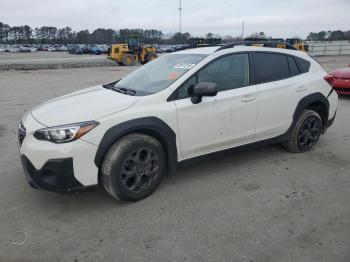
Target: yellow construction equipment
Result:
[131, 52]
[298, 44]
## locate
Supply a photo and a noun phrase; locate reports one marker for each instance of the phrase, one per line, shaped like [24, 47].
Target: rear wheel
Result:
[306, 133]
[128, 60]
[133, 167]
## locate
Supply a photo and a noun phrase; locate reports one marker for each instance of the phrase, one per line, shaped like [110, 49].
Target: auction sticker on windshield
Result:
[184, 66]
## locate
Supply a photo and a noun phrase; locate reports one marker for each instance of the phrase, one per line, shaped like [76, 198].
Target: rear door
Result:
[280, 88]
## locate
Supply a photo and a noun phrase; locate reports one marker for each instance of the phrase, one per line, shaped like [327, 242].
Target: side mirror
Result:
[203, 89]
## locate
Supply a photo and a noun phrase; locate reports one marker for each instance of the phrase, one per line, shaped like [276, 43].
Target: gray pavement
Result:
[258, 205]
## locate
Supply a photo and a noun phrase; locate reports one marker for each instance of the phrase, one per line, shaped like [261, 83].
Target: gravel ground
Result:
[50, 60]
[260, 205]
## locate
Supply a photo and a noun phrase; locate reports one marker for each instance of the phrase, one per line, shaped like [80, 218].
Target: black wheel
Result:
[128, 60]
[150, 56]
[133, 167]
[120, 63]
[305, 133]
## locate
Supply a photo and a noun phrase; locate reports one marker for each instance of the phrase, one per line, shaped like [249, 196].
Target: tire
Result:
[133, 167]
[128, 60]
[120, 63]
[150, 56]
[305, 134]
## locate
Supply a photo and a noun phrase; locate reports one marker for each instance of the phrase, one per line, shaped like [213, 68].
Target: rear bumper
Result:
[56, 175]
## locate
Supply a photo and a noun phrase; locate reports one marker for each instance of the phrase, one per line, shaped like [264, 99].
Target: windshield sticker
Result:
[184, 66]
[172, 76]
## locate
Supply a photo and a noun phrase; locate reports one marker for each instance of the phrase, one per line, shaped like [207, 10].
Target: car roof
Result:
[210, 50]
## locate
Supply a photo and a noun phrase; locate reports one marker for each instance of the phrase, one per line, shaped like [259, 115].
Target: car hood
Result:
[341, 73]
[84, 105]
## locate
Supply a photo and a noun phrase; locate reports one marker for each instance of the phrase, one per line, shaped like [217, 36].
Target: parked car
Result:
[340, 79]
[129, 133]
[85, 49]
[24, 49]
[95, 50]
[10, 49]
[2, 50]
[61, 48]
[76, 50]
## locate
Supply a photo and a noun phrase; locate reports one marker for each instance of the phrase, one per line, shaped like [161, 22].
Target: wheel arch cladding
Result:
[151, 126]
[317, 102]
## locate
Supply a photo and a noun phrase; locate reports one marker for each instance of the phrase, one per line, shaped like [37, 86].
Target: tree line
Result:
[24, 34]
[336, 35]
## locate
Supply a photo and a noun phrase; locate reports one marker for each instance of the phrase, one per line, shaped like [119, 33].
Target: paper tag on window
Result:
[184, 66]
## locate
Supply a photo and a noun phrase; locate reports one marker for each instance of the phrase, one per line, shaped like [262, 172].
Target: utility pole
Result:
[243, 30]
[180, 10]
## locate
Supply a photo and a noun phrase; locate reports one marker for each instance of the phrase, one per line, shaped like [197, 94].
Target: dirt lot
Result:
[260, 205]
[50, 60]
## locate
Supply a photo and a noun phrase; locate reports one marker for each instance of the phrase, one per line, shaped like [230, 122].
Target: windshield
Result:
[159, 74]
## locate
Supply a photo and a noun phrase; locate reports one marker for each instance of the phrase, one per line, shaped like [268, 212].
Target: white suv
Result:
[127, 134]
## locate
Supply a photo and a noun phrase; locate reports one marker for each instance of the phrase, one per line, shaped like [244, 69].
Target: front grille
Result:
[21, 133]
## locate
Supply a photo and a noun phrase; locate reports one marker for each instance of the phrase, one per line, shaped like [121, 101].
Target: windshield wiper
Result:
[124, 90]
[110, 85]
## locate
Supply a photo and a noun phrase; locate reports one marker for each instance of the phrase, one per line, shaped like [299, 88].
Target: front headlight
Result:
[66, 133]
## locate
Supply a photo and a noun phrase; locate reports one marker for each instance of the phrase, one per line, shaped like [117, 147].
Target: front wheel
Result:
[150, 57]
[306, 133]
[133, 167]
[128, 60]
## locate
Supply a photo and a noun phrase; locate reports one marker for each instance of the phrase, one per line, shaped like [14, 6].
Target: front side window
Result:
[270, 67]
[229, 72]
[159, 74]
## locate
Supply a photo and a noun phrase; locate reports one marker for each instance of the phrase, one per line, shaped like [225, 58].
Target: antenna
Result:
[180, 10]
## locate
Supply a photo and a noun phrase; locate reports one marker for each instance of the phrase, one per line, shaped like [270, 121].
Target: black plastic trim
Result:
[330, 92]
[56, 175]
[331, 121]
[306, 102]
[152, 126]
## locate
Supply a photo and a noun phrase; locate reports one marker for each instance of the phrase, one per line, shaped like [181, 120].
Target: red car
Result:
[341, 80]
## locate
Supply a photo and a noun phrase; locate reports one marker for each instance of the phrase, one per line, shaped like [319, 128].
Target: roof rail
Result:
[271, 44]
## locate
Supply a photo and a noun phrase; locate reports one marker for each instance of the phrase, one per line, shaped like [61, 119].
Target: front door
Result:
[223, 121]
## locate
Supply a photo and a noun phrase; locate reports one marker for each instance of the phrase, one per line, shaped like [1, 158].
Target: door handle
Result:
[248, 98]
[300, 89]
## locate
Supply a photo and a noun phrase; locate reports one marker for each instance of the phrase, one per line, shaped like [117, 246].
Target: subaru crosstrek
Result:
[127, 134]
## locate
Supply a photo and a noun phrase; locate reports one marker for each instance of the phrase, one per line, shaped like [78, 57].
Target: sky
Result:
[276, 18]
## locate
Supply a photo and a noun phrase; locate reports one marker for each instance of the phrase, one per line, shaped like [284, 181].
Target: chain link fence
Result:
[329, 48]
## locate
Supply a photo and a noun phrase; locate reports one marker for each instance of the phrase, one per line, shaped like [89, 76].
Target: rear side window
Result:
[293, 67]
[270, 67]
[303, 65]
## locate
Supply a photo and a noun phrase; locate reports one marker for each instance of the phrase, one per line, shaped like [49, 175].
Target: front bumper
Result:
[56, 175]
[65, 167]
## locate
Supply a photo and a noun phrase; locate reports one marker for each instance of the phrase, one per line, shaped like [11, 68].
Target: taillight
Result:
[330, 79]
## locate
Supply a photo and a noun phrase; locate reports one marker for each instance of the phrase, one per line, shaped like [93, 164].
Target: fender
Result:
[308, 100]
[152, 126]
